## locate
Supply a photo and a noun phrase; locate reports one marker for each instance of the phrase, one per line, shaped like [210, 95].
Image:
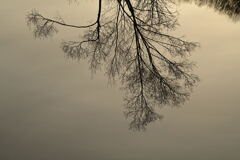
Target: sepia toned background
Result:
[53, 108]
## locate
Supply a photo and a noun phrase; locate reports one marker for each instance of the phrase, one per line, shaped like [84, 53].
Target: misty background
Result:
[52, 108]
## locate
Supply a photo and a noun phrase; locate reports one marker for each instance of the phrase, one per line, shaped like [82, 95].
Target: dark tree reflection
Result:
[228, 7]
[132, 41]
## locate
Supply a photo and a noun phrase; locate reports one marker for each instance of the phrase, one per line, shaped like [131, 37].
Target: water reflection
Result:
[229, 7]
[132, 41]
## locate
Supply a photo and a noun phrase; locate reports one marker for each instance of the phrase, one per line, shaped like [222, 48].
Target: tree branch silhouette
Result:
[231, 8]
[132, 41]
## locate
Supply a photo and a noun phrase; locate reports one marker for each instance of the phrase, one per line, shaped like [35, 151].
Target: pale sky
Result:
[51, 108]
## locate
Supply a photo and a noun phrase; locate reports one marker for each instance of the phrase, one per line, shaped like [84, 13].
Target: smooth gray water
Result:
[52, 109]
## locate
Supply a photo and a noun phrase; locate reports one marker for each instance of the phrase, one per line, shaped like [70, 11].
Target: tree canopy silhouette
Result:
[229, 7]
[132, 40]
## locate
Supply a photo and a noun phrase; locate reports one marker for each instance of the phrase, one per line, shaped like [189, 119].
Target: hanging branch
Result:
[132, 39]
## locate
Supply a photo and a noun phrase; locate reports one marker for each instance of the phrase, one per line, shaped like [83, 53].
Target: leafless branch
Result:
[133, 40]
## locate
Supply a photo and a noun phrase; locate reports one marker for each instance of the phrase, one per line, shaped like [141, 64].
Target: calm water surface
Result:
[51, 108]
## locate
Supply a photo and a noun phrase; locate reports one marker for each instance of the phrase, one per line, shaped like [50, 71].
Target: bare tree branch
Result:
[132, 39]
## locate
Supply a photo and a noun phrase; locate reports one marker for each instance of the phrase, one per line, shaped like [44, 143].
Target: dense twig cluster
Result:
[132, 40]
[228, 7]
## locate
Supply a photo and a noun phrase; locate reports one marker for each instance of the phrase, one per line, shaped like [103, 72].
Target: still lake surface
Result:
[52, 108]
